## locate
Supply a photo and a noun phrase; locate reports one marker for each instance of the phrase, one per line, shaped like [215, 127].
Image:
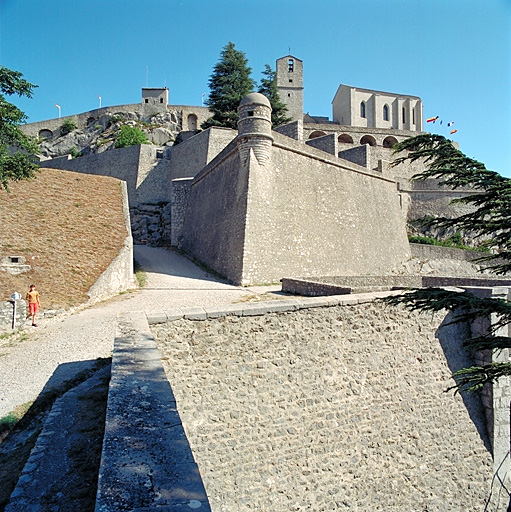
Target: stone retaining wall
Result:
[332, 408]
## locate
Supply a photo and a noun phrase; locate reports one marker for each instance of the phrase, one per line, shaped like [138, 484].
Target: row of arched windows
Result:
[386, 112]
[388, 142]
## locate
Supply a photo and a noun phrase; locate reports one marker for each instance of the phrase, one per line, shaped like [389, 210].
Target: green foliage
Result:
[75, 153]
[17, 166]
[67, 127]
[130, 136]
[268, 87]
[491, 218]
[229, 83]
[491, 195]
[453, 241]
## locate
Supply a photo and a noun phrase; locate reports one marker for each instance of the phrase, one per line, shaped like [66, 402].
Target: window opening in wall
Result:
[404, 115]
[413, 116]
[362, 109]
[14, 259]
[161, 100]
[159, 153]
[250, 113]
[290, 65]
[289, 95]
[290, 80]
[146, 100]
[385, 112]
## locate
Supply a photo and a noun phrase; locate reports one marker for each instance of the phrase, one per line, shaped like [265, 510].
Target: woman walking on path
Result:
[33, 303]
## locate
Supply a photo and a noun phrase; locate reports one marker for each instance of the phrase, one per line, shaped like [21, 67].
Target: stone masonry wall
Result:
[334, 408]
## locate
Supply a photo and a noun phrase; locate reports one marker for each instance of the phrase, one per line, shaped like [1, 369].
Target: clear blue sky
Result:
[454, 54]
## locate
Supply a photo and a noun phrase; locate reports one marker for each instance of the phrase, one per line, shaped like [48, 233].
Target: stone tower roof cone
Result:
[255, 98]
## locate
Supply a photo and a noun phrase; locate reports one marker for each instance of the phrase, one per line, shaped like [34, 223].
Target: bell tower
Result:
[289, 76]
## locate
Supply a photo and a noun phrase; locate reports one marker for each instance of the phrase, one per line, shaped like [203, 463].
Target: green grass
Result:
[453, 241]
[140, 274]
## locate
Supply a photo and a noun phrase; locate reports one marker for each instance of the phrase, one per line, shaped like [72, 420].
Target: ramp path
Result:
[59, 348]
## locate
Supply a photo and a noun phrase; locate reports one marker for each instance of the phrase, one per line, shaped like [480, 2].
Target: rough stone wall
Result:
[339, 408]
[146, 176]
[214, 226]
[179, 203]
[6, 314]
[188, 158]
[293, 130]
[311, 215]
[328, 143]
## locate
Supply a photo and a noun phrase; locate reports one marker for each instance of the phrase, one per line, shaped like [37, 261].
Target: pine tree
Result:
[17, 166]
[229, 84]
[491, 218]
[268, 87]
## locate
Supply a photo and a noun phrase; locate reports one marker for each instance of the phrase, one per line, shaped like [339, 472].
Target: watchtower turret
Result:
[254, 128]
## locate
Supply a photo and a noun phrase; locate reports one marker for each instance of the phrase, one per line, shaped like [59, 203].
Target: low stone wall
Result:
[332, 408]
[6, 314]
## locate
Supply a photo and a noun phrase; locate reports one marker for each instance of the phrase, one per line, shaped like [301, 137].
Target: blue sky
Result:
[454, 54]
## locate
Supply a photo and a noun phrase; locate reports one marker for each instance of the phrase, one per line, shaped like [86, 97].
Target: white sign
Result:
[16, 296]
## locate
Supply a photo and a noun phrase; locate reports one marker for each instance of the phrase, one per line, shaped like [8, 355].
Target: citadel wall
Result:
[310, 213]
[214, 225]
[329, 408]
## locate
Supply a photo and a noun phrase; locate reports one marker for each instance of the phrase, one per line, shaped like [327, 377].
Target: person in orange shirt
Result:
[33, 303]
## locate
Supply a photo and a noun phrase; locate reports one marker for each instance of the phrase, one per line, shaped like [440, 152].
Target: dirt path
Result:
[58, 349]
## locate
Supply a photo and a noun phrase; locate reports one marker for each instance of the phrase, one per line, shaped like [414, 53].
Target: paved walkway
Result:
[58, 349]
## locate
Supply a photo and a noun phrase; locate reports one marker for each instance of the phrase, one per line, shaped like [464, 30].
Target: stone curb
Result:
[146, 461]
[263, 308]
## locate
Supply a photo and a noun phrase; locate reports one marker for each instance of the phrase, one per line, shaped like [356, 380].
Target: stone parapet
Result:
[8, 319]
[146, 462]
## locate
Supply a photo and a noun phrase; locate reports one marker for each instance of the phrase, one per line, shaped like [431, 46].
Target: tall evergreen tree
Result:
[229, 84]
[17, 166]
[268, 87]
[491, 218]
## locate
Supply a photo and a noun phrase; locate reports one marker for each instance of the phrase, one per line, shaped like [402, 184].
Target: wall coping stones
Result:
[264, 307]
[146, 462]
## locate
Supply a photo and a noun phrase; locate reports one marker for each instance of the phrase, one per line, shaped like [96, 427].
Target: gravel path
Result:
[58, 349]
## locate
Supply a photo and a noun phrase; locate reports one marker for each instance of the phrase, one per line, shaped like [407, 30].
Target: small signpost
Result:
[15, 297]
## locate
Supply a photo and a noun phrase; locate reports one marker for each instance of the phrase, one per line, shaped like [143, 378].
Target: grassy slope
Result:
[69, 226]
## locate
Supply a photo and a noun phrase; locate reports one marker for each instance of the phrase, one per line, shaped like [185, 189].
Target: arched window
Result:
[385, 112]
[367, 139]
[316, 134]
[290, 65]
[363, 109]
[388, 142]
[192, 122]
[345, 138]
[45, 134]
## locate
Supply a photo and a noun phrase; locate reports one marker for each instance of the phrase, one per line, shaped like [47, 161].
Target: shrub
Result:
[75, 153]
[67, 127]
[130, 136]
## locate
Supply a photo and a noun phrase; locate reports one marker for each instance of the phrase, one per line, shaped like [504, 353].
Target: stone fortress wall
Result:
[331, 408]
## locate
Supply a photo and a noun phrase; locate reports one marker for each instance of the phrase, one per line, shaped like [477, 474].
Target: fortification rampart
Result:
[147, 177]
[316, 410]
[187, 117]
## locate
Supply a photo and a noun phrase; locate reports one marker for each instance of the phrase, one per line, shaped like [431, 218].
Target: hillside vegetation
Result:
[69, 227]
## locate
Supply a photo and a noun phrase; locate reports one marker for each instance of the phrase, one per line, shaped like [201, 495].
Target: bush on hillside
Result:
[130, 136]
[67, 127]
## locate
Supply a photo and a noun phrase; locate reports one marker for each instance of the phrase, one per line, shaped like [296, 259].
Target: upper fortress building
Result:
[313, 197]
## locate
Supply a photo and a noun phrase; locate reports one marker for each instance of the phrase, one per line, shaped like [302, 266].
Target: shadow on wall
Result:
[451, 337]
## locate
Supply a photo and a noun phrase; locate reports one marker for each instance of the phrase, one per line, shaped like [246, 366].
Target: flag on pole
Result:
[450, 124]
[58, 106]
[432, 119]
[453, 131]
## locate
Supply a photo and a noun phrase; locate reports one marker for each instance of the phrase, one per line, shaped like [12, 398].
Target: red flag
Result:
[432, 119]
